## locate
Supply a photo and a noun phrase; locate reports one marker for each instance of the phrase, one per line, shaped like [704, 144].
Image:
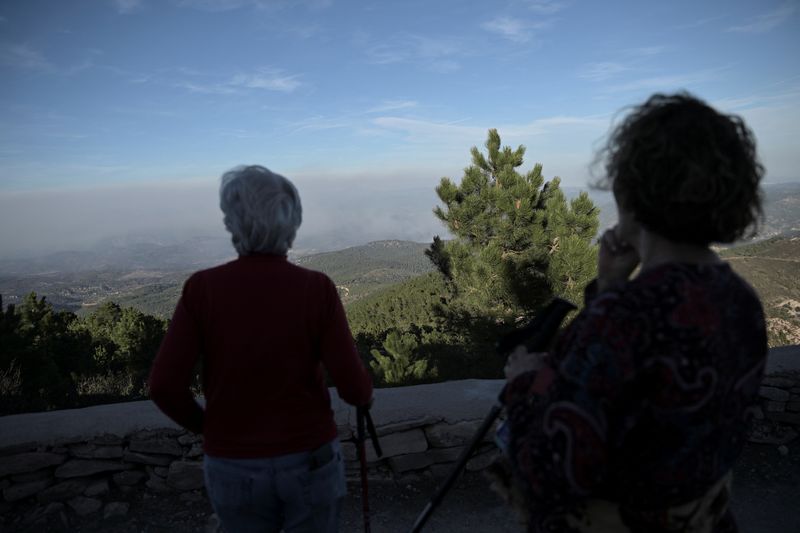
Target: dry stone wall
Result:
[62, 462]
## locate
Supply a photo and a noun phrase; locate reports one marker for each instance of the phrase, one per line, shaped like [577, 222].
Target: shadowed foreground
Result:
[766, 492]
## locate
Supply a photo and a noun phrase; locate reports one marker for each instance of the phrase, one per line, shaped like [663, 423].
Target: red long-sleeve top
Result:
[263, 329]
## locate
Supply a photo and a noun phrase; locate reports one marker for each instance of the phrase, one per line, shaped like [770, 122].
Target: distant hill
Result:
[772, 267]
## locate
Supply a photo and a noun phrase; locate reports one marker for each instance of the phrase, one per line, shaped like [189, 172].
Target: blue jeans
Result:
[293, 492]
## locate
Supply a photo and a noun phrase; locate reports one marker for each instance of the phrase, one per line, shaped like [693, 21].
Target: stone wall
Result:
[83, 461]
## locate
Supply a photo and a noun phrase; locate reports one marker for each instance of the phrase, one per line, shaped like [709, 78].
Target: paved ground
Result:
[766, 500]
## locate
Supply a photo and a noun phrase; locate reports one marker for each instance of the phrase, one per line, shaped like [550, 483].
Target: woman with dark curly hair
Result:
[635, 418]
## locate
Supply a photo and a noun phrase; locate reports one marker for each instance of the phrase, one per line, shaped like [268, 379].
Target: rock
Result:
[793, 406]
[28, 462]
[411, 461]
[91, 451]
[446, 455]
[32, 476]
[161, 471]
[25, 490]
[774, 394]
[115, 510]
[405, 425]
[88, 467]
[54, 507]
[128, 478]
[441, 471]
[783, 450]
[108, 439]
[795, 390]
[83, 505]
[185, 475]
[193, 496]
[190, 438]
[777, 381]
[345, 432]
[157, 484]
[63, 491]
[785, 418]
[776, 407]
[98, 488]
[158, 446]
[4, 484]
[758, 412]
[479, 462]
[195, 451]
[147, 434]
[402, 443]
[447, 435]
[141, 458]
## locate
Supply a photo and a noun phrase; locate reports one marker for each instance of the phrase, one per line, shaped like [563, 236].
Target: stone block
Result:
[28, 462]
[778, 381]
[63, 491]
[4, 484]
[442, 470]
[774, 394]
[115, 510]
[147, 434]
[776, 407]
[88, 467]
[758, 413]
[479, 462]
[186, 475]
[161, 471]
[162, 446]
[410, 461]
[146, 459]
[92, 451]
[794, 407]
[98, 488]
[458, 434]
[195, 451]
[108, 439]
[20, 491]
[402, 443]
[785, 418]
[190, 438]
[345, 432]
[38, 475]
[795, 390]
[405, 425]
[446, 455]
[157, 485]
[84, 506]
[126, 479]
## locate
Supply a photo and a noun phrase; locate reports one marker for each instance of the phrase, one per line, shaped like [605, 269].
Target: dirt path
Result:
[766, 496]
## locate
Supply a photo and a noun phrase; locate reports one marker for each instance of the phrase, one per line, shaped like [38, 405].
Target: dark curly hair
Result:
[685, 171]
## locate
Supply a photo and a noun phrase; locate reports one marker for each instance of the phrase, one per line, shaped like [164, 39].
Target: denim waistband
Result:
[313, 458]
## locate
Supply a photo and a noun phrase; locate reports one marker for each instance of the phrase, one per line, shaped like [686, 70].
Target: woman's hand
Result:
[520, 361]
[616, 260]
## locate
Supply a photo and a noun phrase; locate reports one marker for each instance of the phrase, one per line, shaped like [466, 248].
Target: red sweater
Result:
[263, 328]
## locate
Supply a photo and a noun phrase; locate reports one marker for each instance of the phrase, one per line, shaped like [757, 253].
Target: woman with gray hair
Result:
[264, 330]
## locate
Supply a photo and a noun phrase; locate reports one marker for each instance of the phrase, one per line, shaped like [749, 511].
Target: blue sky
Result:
[102, 93]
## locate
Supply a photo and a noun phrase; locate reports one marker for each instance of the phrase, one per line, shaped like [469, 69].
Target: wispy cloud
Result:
[24, 57]
[700, 22]
[264, 78]
[668, 81]
[214, 6]
[319, 123]
[392, 105]
[767, 21]
[602, 71]
[514, 29]
[547, 7]
[433, 53]
[125, 7]
[268, 79]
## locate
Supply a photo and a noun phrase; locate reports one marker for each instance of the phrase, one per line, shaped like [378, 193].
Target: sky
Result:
[120, 115]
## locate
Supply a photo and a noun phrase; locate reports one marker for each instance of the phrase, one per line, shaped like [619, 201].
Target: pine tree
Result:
[399, 366]
[517, 241]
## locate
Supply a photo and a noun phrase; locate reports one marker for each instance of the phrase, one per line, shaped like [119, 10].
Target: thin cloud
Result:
[433, 53]
[547, 7]
[767, 21]
[668, 82]
[125, 7]
[216, 6]
[268, 79]
[602, 71]
[24, 57]
[318, 123]
[513, 29]
[392, 105]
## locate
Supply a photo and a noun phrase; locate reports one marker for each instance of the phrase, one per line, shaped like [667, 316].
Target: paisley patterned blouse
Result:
[644, 406]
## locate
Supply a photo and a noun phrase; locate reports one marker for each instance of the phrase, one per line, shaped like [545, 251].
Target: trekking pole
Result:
[362, 417]
[536, 337]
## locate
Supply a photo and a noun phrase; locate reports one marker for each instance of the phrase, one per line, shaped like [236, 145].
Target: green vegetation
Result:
[53, 359]
[399, 365]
